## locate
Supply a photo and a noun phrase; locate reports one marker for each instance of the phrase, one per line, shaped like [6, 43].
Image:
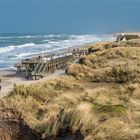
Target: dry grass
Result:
[65, 105]
[124, 73]
[100, 112]
[80, 71]
[110, 57]
[110, 65]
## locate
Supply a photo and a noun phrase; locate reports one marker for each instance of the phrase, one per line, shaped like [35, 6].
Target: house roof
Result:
[127, 37]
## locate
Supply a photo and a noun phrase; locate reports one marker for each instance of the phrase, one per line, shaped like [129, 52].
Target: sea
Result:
[15, 47]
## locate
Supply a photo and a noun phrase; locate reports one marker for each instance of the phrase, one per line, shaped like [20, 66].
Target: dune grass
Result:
[80, 71]
[107, 111]
[123, 73]
[63, 104]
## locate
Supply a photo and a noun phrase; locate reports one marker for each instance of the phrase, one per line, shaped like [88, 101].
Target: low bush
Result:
[80, 71]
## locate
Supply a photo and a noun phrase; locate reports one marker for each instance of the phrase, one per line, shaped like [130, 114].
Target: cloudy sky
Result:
[69, 16]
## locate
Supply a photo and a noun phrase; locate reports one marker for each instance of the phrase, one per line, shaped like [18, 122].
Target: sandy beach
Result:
[11, 77]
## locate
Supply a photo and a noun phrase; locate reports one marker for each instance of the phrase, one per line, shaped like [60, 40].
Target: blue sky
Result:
[69, 16]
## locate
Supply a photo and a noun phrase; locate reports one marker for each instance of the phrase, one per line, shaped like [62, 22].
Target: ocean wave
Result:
[45, 40]
[26, 45]
[75, 40]
[19, 37]
[28, 36]
[12, 47]
[47, 46]
[25, 55]
[54, 42]
[6, 49]
[85, 38]
[53, 35]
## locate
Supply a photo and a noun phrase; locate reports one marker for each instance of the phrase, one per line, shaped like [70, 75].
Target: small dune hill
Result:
[121, 58]
[80, 71]
[98, 100]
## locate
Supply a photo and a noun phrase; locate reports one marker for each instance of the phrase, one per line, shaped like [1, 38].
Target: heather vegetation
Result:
[98, 100]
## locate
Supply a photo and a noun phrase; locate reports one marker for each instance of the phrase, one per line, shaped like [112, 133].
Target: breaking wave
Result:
[12, 47]
[25, 45]
[6, 49]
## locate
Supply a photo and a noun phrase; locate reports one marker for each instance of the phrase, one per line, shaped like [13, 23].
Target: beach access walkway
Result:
[38, 67]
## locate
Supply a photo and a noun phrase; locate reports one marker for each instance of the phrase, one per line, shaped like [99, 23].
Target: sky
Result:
[69, 16]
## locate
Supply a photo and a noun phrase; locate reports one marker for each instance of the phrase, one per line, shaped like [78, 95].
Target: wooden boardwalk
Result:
[38, 67]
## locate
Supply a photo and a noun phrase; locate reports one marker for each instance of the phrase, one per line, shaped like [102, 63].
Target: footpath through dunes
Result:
[99, 99]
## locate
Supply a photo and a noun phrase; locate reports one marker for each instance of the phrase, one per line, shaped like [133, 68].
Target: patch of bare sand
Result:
[10, 77]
